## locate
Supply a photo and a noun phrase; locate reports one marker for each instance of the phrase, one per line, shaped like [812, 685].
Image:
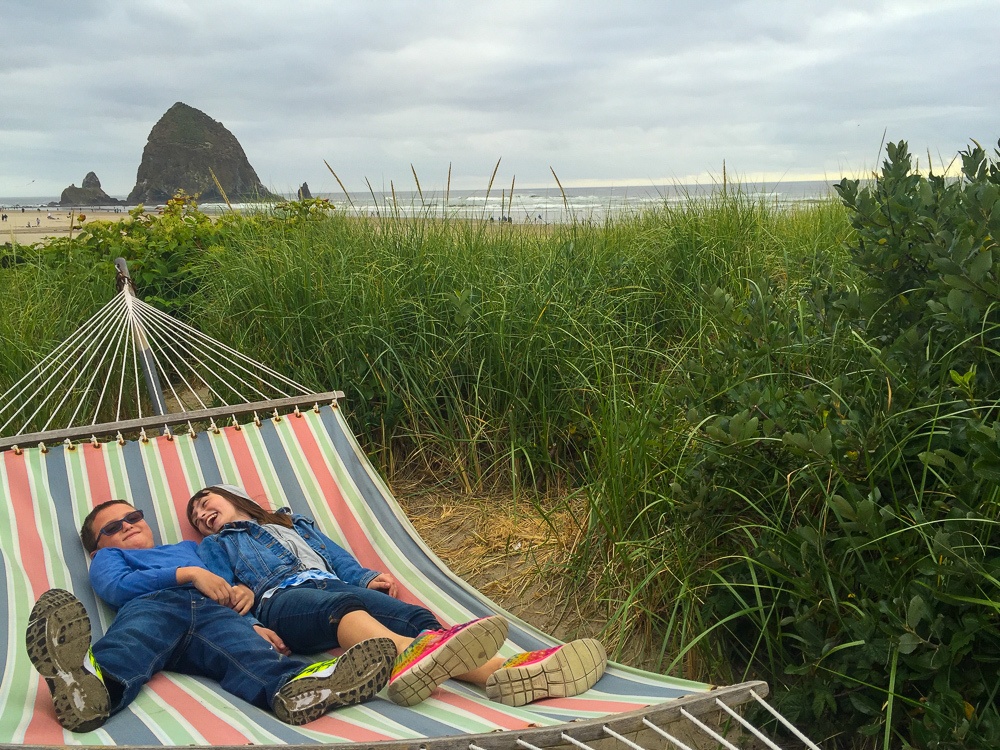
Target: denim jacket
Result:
[245, 552]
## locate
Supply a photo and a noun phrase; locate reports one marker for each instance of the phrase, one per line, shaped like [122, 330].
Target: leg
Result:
[141, 641]
[399, 617]
[358, 626]
[308, 618]
[225, 647]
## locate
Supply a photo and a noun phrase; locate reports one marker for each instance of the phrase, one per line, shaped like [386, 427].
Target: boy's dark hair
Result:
[244, 504]
[87, 534]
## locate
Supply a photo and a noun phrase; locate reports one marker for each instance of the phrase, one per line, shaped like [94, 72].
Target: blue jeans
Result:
[307, 616]
[181, 630]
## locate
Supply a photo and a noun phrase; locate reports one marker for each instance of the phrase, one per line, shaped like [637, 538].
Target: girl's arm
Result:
[216, 559]
[344, 564]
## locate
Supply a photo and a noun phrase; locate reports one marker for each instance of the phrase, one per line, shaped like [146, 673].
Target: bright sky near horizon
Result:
[634, 92]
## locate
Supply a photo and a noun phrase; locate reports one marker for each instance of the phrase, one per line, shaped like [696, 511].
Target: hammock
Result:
[301, 455]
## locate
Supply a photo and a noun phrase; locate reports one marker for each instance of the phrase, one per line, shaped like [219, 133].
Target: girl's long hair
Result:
[243, 504]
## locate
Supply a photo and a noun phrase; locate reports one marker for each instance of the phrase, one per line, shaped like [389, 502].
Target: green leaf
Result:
[842, 507]
[980, 265]
[957, 300]
[822, 442]
[987, 468]
[908, 643]
[917, 611]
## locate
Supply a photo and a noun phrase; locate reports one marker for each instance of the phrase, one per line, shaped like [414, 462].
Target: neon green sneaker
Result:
[353, 677]
[436, 655]
[58, 644]
[558, 672]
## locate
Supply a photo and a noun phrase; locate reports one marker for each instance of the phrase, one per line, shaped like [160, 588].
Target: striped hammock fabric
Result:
[310, 462]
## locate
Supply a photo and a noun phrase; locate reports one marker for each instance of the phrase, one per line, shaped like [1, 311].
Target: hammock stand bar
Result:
[629, 724]
[607, 731]
[167, 420]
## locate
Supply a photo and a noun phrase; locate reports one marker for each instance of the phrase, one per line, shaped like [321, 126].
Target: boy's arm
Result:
[117, 583]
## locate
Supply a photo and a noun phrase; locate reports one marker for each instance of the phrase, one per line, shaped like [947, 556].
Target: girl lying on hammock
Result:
[316, 596]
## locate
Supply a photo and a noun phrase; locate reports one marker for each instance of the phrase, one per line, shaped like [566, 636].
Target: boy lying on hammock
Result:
[174, 614]
[315, 596]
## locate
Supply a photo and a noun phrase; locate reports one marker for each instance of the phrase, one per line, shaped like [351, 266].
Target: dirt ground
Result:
[514, 555]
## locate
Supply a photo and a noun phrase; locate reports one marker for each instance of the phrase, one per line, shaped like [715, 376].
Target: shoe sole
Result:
[470, 648]
[57, 640]
[361, 671]
[571, 670]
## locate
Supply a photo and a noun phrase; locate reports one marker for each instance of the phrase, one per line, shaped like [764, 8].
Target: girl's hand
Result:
[241, 599]
[385, 582]
[273, 638]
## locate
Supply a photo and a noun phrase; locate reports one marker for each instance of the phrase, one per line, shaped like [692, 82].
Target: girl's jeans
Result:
[307, 616]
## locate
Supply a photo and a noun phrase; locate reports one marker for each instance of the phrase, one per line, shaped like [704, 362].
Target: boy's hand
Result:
[241, 599]
[385, 582]
[211, 585]
[273, 638]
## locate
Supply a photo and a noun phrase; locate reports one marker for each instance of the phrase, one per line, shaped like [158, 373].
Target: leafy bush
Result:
[164, 250]
[870, 491]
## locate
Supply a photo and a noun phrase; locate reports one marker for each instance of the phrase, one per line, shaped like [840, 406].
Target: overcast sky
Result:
[603, 92]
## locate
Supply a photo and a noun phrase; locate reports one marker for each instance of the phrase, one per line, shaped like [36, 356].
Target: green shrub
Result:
[870, 489]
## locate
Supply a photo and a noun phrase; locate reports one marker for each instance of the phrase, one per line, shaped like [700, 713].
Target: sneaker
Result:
[354, 677]
[558, 672]
[58, 643]
[436, 655]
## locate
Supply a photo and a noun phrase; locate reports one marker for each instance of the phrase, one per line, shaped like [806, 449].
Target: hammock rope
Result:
[102, 364]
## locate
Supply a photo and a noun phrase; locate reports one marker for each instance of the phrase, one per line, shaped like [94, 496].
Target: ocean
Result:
[527, 205]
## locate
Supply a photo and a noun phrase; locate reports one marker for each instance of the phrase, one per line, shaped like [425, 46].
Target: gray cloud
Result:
[635, 91]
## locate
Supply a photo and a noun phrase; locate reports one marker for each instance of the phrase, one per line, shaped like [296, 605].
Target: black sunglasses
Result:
[113, 527]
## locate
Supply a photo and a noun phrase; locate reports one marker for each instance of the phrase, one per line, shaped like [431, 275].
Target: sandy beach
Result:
[35, 225]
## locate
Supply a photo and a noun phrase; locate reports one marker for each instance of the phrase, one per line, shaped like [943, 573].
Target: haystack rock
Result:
[183, 150]
[90, 194]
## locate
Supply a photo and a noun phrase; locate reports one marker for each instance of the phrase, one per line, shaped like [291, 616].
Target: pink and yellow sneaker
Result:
[436, 655]
[558, 672]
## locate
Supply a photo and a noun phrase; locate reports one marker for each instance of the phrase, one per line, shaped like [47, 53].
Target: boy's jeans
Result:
[307, 616]
[181, 630]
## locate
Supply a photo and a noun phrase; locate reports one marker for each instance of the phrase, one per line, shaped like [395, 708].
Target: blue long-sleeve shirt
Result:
[120, 575]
